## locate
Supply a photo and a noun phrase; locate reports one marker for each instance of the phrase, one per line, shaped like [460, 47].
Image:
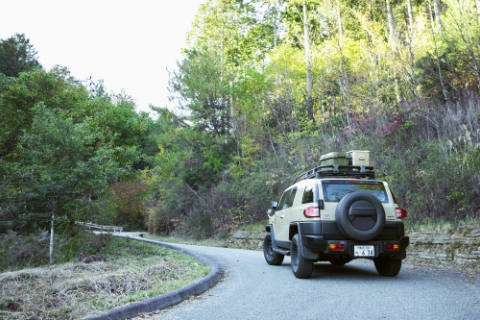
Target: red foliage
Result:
[129, 201]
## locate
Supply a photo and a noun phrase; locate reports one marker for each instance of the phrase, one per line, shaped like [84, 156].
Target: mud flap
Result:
[304, 251]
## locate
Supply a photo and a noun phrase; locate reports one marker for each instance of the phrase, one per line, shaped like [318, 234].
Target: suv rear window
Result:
[335, 190]
[307, 194]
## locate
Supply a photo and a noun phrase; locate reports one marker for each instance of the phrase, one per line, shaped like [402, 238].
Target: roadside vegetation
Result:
[255, 109]
[109, 272]
[257, 104]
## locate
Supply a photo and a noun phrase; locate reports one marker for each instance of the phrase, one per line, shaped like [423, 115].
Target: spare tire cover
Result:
[360, 216]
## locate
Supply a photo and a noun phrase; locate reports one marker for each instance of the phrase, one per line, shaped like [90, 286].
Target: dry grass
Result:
[77, 290]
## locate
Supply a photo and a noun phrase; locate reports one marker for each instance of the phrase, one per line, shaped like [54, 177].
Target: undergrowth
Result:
[107, 272]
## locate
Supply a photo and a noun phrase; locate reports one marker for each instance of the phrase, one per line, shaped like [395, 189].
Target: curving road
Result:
[252, 289]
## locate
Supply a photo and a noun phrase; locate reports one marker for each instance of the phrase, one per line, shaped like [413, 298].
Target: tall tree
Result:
[58, 162]
[307, 62]
[60, 147]
[437, 57]
[437, 6]
[340, 24]
[17, 55]
[19, 95]
[410, 35]
[393, 44]
[203, 88]
[477, 5]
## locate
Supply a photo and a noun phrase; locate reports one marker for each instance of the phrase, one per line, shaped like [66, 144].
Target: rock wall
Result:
[246, 240]
[444, 245]
[447, 246]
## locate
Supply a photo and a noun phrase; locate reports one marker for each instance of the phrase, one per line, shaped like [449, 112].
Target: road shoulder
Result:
[169, 299]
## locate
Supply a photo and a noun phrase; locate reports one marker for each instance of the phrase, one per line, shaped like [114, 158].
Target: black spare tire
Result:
[360, 216]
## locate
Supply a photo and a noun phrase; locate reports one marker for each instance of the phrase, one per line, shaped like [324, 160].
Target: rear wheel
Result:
[271, 256]
[301, 267]
[387, 267]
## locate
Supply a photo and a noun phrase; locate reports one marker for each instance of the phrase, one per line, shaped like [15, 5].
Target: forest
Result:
[265, 87]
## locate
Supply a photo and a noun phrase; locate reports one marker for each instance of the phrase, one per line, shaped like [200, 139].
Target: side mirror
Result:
[274, 205]
[270, 212]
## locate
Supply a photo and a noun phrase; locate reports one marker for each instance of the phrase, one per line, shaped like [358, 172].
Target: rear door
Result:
[334, 190]
[284, 214]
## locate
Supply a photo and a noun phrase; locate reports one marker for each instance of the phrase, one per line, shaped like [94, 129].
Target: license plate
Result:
[364, 251]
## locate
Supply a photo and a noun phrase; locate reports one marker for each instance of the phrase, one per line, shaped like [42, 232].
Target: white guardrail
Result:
[94, 226]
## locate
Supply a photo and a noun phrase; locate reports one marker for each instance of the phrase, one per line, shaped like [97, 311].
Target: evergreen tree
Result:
[17, 55]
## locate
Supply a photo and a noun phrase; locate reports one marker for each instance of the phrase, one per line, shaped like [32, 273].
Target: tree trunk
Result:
[326, 25]
[307, 61]
[51, 236]
[391, 24]
[343, 81]
[276, 22]
[477, 4]
[410, 47]
[340, 25]
[410, 16]
[438, 10]
[440, 77]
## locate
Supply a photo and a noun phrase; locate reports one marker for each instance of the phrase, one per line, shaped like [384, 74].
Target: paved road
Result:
[252, 289]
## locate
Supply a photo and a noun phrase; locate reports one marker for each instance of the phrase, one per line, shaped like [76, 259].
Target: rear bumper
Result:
[319, 245]
[318, 236]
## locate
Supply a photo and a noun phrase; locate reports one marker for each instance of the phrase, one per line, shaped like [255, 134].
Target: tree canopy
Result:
[277, 83]
[265, 87]
[17, 55]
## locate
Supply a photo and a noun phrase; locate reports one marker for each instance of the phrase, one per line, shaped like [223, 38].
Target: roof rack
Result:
[336, 170]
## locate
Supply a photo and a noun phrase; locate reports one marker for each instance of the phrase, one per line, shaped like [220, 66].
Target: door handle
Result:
[281, 217]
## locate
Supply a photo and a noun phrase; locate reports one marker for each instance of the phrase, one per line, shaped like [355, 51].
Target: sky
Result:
[129, 44]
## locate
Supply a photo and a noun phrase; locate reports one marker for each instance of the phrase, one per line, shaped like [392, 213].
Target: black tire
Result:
[271, 256]
[360, 216]
[301, 267]
[387, 267]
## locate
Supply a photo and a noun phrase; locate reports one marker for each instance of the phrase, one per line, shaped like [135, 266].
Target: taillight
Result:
[400, 213]
[311, 212]
[393, 246]
[336, 246]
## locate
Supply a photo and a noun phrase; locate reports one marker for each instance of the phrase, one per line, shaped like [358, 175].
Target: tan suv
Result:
[337, 212]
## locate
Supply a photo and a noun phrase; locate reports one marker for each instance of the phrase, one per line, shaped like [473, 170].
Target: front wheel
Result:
[301, 267]
[387, 267]
[271, 256]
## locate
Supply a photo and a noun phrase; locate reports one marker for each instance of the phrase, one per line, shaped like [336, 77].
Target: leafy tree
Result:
[17, 55]
[18, 96]
[205, 90]
[58, 162]
[108, 125]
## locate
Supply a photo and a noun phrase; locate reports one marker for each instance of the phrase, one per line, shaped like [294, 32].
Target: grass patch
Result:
[254, 227]
[110, 272]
